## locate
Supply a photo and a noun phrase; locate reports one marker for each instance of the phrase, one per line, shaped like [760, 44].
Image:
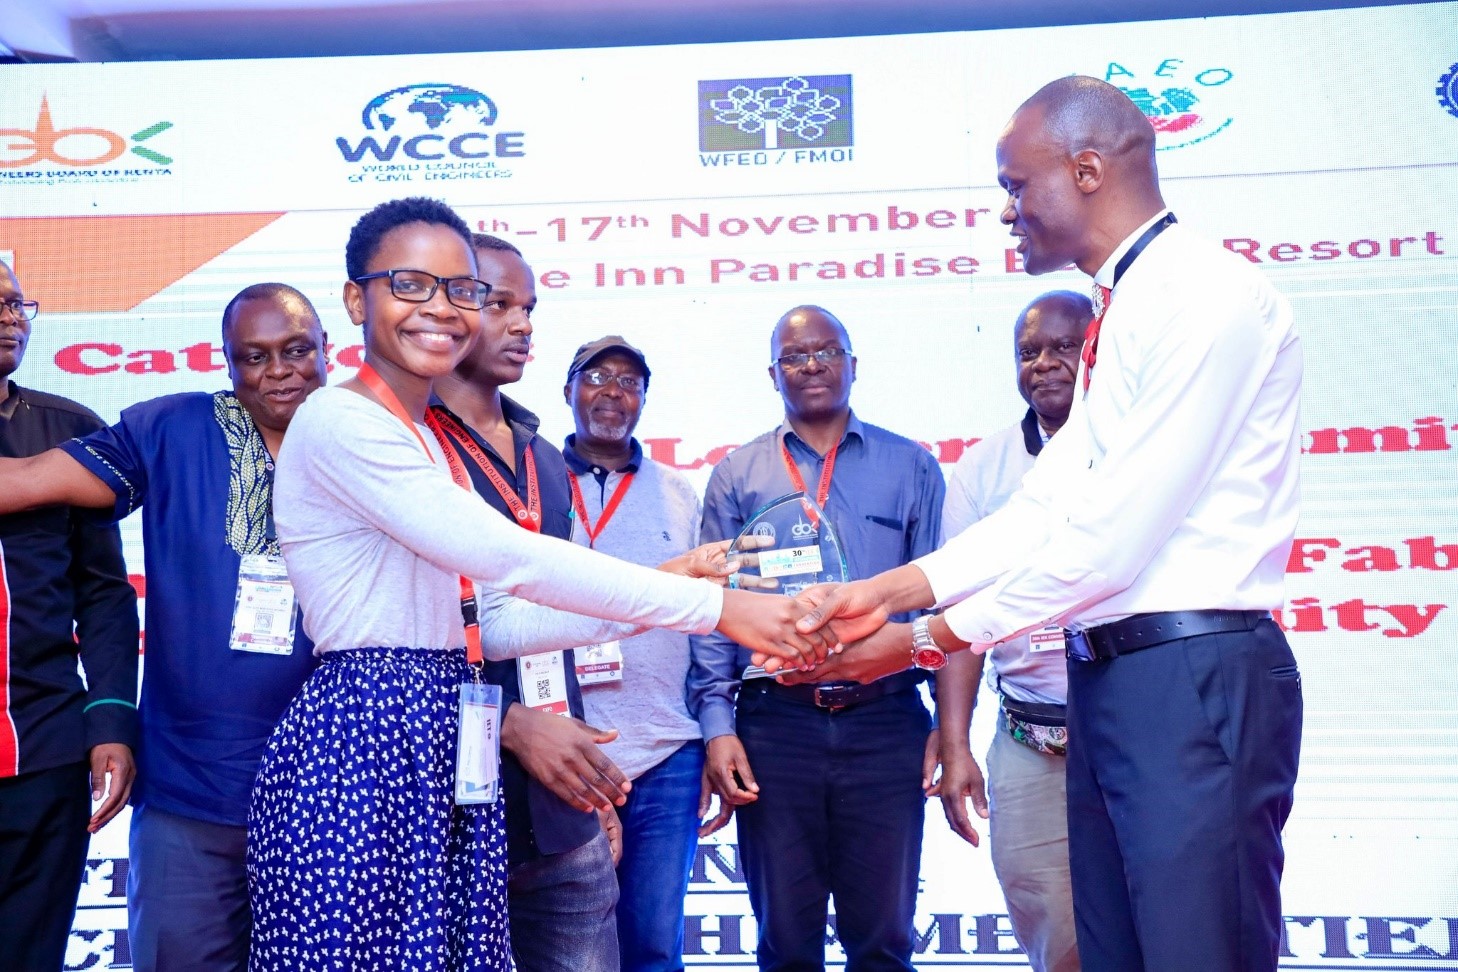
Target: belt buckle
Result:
[1078, 647]
[829, 696]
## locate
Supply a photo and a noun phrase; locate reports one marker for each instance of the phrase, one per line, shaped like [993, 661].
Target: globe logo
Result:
[430, 106]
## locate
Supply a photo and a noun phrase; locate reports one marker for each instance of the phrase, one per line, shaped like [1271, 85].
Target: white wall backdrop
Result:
[137, 198]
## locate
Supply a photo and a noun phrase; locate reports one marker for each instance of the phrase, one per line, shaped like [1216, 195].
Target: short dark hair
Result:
[483, 241]
[364, 238]
[263, 291]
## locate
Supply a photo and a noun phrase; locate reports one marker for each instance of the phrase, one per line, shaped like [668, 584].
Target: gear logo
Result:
[1448, 91]
[794, 112]
[764, 529]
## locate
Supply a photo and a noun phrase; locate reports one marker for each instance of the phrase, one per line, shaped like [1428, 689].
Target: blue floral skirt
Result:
[358, 857]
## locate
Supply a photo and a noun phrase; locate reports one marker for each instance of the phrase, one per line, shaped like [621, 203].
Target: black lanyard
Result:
[1144, 240]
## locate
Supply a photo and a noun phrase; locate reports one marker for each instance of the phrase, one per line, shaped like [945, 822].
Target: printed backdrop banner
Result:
[665, 193]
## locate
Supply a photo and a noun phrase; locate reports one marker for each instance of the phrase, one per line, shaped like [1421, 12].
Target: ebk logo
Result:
[775, 121]
[78, 152]
[430, 132]
[802, 530]
[1180, 102]
[1448, 91]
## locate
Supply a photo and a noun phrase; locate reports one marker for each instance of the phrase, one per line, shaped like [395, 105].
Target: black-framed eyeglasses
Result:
[597, 378]
[829, 357]
[23, 310]
[417, 286]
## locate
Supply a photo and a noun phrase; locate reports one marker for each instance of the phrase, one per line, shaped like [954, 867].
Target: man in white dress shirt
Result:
[1156, 526]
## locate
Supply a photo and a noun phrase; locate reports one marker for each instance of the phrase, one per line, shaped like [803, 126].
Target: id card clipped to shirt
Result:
[264, 618]
[1050, 638]
[599, 664]
[543, 681]
[478, 743]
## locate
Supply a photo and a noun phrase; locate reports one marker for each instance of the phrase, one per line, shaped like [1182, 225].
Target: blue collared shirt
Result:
[885, 503]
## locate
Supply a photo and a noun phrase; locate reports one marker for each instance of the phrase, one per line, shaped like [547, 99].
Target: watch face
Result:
[929, 659]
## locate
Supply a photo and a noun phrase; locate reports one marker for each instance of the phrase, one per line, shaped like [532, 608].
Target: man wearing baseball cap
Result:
[639, 510]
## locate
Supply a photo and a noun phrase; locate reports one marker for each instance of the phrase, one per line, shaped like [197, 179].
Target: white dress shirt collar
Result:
[1105, 276]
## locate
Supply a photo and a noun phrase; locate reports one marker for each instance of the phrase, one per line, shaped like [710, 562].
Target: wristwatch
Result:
[926, 654]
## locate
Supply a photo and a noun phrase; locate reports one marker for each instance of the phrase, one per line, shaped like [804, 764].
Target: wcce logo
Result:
[76, 147]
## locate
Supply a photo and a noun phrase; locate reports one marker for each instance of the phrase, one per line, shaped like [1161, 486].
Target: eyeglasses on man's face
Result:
[21, 310]
[417, 286]
[597, 378]
[829, 357]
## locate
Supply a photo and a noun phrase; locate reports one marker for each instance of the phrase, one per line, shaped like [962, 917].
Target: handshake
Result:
[824, 633]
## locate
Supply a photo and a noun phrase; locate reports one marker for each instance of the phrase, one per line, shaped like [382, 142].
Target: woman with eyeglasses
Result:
[359, 855]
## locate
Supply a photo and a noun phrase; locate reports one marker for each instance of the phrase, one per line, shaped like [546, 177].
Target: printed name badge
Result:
[544, 682]
[598, 664]
[263, 614]
[1047, 639]
[789, 561]
[478, 743]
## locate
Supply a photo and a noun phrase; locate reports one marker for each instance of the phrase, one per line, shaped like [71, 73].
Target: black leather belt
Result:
[839, 695]
[1140, 631]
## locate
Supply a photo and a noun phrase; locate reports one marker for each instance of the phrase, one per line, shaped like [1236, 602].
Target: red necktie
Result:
[1101, 298]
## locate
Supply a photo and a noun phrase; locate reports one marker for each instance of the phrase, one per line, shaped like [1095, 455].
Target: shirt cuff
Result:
[973, 624]
[713, 610]
[716, 718]
[110, 721]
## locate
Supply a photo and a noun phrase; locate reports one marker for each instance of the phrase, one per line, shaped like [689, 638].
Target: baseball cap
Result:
[593, 350]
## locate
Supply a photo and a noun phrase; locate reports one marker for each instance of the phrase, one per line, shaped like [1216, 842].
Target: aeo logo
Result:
[78, 147]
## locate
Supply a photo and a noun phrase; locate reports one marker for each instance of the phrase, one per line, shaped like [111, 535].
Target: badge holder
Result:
[543, 681]
[478, 743]
[599, 664]
[264, 615]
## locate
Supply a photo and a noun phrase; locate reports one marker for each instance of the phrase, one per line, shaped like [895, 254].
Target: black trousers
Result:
[43, 841]
[839, 816]
[1181, 765]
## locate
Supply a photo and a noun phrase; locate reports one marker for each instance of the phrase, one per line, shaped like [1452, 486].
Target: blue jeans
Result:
[660, 834]
[839, 815]
[561, 911]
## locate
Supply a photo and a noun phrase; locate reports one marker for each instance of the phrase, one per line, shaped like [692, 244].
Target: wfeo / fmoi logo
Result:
[51, 152]
[428, 133]
[788, 120]
[1184, 104]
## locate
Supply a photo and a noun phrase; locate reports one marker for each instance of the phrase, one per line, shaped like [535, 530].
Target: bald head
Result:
[286, 298]
[798, 317]
[1080, 113]
[1077, 161]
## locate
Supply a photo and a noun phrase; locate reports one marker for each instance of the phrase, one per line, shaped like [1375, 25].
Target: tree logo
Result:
[798, 111]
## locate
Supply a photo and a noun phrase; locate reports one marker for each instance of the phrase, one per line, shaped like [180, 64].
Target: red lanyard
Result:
[580, 506]
[391, 401]
[450, 435]
[822, 492]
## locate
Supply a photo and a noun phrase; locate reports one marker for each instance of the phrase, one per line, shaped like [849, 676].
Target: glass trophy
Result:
[787, 546]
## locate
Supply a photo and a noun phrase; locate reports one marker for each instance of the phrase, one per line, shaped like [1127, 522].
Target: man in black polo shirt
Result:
[62, 742]
[561, 885]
